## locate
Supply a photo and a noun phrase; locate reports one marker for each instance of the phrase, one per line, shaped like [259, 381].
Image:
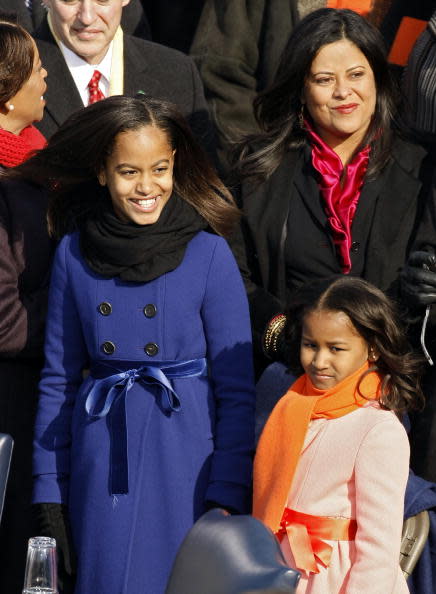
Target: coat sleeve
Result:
[381, 471]
[22, 315]
[227, 330]
[263, 305]
[225, 49]
[237, 47]
[65, 359]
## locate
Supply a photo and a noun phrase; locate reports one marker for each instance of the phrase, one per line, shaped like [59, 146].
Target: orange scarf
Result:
[283, 436]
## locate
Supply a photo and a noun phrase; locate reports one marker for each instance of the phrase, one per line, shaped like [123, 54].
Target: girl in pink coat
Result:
[332, 462]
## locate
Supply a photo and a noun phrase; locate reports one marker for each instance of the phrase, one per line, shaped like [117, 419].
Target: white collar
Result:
[82, 72]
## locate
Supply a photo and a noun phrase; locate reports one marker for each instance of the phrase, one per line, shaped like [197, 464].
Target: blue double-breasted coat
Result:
[127, 542]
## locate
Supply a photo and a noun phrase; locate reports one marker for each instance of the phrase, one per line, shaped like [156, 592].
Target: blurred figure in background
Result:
[173, 22]
[31, 14]
[419, 276]
[401, 24]
[419, 87]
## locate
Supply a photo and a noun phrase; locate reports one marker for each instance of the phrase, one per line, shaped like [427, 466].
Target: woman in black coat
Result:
[326, 187]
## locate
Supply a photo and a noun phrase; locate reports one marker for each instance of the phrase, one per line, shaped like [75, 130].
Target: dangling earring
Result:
[11, 107]
[301, 116]
[372, 356]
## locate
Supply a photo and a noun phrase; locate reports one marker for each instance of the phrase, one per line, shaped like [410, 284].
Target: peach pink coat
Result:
[355, 466]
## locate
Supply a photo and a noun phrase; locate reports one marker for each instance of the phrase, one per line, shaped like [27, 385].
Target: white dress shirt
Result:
[82, 72]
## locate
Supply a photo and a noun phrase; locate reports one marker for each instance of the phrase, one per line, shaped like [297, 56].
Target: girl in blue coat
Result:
[153, 305]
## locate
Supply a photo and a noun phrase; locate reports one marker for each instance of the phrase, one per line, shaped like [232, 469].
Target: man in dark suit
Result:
[79, 38]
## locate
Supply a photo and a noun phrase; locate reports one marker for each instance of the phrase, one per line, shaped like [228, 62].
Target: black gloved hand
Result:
[53, 521]
[418, 279]
[213, 504]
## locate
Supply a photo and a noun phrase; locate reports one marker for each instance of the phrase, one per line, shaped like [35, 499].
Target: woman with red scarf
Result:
[327, 187]
[25, 252]
[22, 91]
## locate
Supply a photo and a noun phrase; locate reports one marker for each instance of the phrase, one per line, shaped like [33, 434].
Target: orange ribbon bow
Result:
[307, 533]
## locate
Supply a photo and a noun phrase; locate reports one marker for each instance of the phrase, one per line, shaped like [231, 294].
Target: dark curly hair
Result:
[376, 318]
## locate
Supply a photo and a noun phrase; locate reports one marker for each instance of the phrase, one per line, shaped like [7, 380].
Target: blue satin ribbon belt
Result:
[107, 397]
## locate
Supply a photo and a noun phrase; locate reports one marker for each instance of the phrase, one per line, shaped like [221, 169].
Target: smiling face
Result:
[139, 174]
[29, 101]
[86, 27]
[340, 92]
[331, 348]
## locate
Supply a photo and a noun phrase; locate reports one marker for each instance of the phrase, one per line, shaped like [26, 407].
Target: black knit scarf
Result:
[139, 253]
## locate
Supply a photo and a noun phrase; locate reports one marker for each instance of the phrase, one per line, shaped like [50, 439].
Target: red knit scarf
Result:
[340, 203]
[16, 148]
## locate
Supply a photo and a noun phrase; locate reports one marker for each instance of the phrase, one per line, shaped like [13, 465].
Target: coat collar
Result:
[401, 177]
[64, 98]
[137, 61]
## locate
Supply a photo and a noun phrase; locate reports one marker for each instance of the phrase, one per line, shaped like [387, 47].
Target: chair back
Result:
[413, 540]
[231, 554]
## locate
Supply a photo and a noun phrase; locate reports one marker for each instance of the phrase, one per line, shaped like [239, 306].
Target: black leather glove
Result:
[214, 505]
[53, 520]
[418, 279]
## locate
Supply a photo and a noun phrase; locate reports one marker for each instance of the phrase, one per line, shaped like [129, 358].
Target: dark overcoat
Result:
[176, 460]
[285, 227]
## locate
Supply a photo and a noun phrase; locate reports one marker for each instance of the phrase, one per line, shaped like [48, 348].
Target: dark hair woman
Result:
[327, 187]
[154, 305]
[25, 252]
[22, 86]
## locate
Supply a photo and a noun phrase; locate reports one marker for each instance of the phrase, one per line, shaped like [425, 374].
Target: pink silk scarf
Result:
[340, 202]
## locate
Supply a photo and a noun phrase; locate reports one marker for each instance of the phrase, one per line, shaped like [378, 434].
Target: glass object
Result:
[41, 575]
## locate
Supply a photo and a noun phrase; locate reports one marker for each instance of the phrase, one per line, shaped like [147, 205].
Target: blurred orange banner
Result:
[408, 32]
[361, 6]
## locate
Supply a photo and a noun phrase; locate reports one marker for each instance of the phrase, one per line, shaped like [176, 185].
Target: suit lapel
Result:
[364, 216]
[134, 76]
[267, 209]
[307, 185]
[62, 97]
[397, 189]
